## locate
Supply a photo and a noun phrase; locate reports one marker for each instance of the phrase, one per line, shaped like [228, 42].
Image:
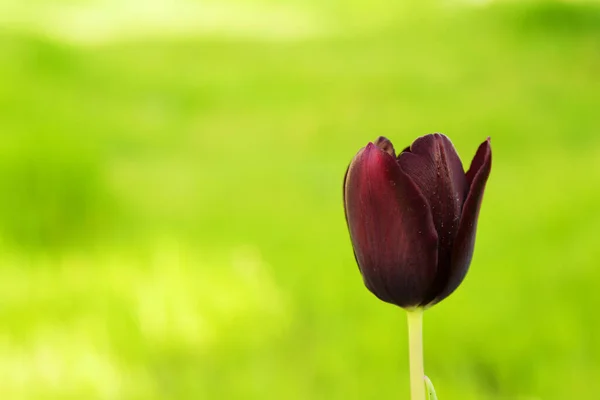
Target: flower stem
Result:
[415, 347]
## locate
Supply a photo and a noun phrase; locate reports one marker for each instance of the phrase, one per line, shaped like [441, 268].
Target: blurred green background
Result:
[171, 221]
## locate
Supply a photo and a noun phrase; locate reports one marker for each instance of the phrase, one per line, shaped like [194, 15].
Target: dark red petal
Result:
[391, 228]
[386, 145]
[483, 152]
[464, 243]
[434, 166]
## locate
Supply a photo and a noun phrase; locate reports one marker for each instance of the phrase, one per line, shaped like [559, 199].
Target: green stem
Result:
[430, 389]
[415, 347]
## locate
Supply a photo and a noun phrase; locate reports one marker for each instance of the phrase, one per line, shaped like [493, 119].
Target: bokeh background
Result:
[171, 221]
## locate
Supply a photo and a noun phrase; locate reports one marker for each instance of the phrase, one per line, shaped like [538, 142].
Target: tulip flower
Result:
[412, 219]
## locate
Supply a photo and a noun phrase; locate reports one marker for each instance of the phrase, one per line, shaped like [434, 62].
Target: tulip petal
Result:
[464, 243]
[386, 145]
[391, 227]
[433, 164]
[482, 156]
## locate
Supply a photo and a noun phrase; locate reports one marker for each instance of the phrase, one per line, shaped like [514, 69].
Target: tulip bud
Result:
[412, 218]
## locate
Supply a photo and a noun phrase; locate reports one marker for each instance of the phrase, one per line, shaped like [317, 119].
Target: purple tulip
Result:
[413, 218]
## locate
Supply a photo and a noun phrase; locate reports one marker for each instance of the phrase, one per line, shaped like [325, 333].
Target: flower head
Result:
[413, 217]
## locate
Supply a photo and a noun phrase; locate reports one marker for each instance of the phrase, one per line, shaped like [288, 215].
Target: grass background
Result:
[171, 219]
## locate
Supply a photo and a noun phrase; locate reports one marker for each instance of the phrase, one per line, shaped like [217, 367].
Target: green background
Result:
[171, 220]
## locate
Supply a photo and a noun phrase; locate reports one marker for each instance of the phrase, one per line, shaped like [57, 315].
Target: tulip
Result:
[412, 220]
